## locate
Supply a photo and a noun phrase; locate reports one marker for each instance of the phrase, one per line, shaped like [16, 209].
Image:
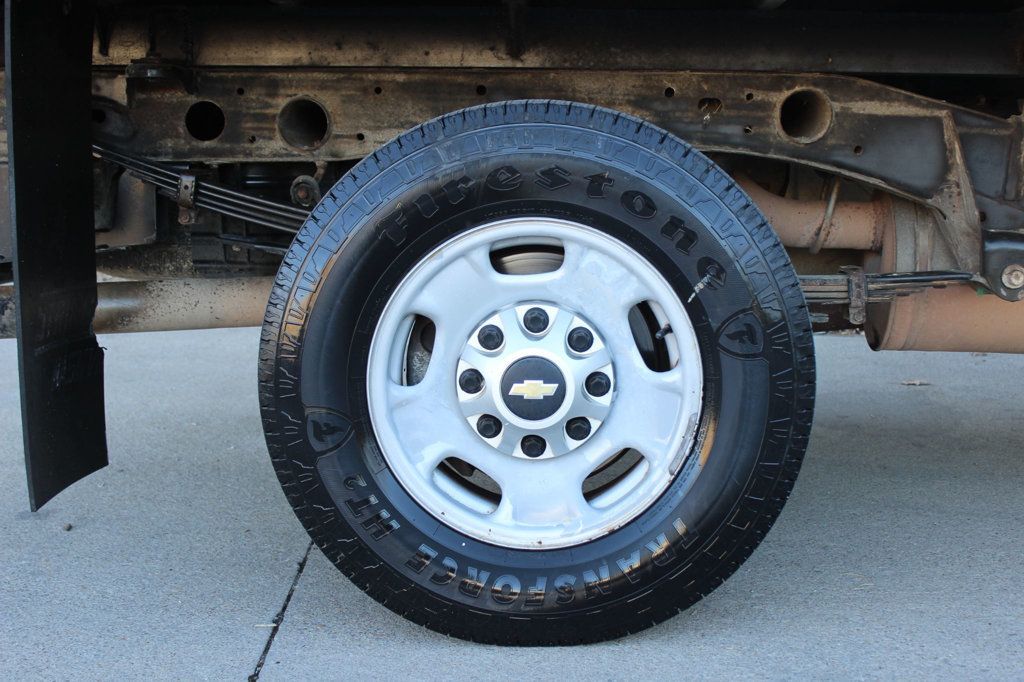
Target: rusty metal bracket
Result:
[153, 70]
[825, 227]
[857, 286]
[1004, 263]
[186, 199]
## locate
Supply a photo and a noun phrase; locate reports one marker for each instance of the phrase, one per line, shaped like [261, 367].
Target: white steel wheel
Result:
[508, 392]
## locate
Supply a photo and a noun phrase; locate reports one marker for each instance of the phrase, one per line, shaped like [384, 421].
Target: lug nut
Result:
[488, 426]
[490, 337]
[535, 320]
[533, 446]
[598, 384]
[580, 339]
[471, 381]
[578, 428]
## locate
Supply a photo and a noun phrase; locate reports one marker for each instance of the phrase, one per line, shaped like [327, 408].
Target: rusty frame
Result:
[966, 165]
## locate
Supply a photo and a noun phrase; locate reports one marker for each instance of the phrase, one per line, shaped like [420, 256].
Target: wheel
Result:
[536, 373]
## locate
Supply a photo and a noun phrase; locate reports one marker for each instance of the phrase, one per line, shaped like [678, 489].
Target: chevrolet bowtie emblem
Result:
[533, 389]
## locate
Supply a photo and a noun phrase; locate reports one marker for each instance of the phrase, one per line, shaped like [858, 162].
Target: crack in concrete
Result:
[279, 618]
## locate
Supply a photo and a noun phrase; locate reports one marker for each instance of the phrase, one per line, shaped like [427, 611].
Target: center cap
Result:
[533, 388]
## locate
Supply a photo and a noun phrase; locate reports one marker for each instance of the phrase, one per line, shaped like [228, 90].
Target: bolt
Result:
[488, 426]
[580, 339]
[598, 384]
[535, 320]
[578, 428]
[471, 381]
[1013, 276]
[490, 337]
[533, 446]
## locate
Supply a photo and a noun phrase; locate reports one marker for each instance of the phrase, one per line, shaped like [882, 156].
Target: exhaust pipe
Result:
[957, 318]
[166, 305]
[823, 224]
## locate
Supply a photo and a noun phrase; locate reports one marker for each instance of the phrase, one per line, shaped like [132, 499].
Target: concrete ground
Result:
[899, 555]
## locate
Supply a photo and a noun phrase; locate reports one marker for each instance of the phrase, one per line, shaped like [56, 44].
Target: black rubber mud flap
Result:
[48, 63]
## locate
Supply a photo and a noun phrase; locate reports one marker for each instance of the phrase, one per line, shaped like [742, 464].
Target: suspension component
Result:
[190, 193]
[855, 289]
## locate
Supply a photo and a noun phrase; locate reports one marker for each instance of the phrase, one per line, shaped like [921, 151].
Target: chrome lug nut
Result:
[488, 426]
[578, 428]
[535, 320]
[471, 381]
[598, 384]
[581, 339]
[533, 446]
[490, 337]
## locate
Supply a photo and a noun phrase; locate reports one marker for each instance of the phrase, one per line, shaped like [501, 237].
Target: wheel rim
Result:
[492, 481]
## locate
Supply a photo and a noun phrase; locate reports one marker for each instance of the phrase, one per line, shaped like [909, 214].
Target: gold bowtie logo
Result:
[533, 389]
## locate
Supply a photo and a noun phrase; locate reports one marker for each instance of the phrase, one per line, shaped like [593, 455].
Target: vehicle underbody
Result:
[164, 156]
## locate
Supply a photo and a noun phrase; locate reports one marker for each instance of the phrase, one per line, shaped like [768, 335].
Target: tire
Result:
[590, 174]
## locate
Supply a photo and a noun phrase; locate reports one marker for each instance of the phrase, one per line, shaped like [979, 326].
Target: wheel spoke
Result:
[428, 419]
[618, 340]
[651, 412]
[587, 281]
[590, 408]
[599, 359]
[597, 285]
[481, 403]
[460, 292]
[541, 494]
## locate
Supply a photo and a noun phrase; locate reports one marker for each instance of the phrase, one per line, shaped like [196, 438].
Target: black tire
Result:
[752, 326]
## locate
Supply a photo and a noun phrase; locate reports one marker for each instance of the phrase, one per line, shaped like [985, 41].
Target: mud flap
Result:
[48, 63]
